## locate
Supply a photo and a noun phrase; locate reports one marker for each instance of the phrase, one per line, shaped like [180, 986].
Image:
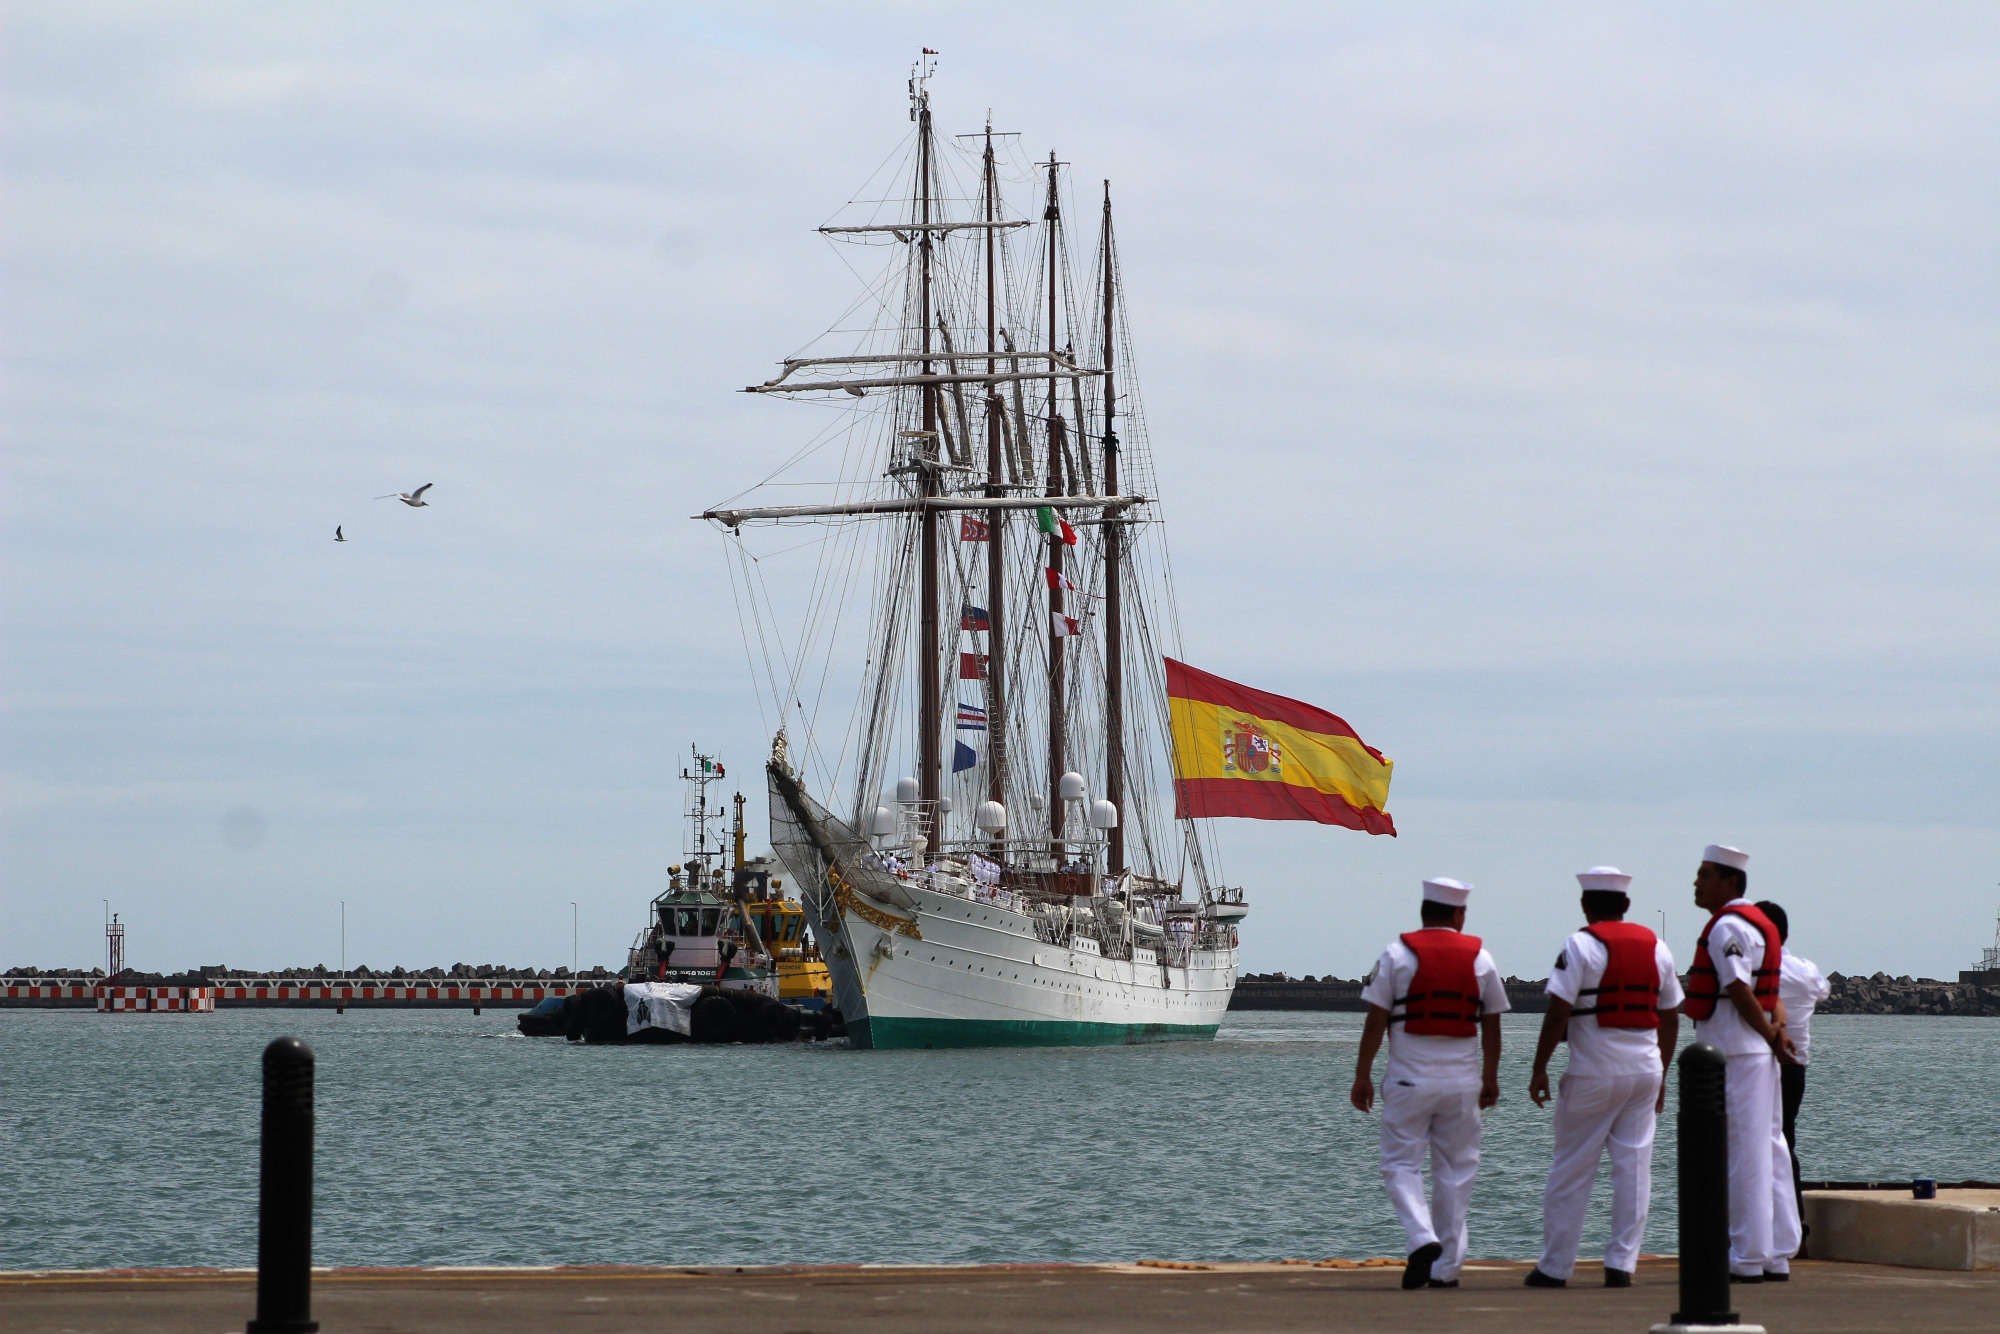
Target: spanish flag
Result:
[1244, 752]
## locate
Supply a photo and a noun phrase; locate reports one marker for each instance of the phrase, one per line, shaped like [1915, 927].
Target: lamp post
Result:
[572, 937]
[343, 937]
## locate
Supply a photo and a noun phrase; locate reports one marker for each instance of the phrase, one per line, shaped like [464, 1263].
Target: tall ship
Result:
[964, 630]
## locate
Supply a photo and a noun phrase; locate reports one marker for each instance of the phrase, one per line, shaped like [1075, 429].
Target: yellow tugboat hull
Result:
[805, 983]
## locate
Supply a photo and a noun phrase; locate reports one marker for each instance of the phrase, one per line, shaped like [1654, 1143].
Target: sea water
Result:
[447, 1138]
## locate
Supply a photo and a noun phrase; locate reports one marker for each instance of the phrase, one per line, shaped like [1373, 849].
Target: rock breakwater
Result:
[1879, 994]
[1883, 994]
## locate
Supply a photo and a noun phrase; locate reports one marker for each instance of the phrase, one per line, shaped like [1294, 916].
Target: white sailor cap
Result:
[1451, 893]
[1604, 877]
[1724, 855]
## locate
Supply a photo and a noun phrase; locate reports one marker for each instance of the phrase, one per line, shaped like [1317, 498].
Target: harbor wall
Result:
[460, 988]
[1275, 991]
[491, 984]
[1880, 994]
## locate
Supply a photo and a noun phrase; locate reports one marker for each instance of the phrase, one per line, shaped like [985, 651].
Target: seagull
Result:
[337, 535]
[415, 497]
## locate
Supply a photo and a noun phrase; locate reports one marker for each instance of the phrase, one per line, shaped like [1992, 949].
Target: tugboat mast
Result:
[701, 772]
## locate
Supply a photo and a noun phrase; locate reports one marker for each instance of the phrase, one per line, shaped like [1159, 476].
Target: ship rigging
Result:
[995, 505]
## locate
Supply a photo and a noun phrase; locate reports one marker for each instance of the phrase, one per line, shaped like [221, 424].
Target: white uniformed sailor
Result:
[1732, 996]
[1801, 988]
[1613, 991]
[1438, 996]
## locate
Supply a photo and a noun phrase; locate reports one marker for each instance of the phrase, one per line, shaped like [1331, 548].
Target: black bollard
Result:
[285, 1193]
[1704, 1187]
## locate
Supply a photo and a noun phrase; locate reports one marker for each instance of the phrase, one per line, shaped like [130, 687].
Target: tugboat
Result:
[803, 979]
[702, 931]
[723, 956]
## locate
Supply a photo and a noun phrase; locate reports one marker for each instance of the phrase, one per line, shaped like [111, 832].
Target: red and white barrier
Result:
[155, 1000]
[275, 991]
[48, 991]
[398, 992]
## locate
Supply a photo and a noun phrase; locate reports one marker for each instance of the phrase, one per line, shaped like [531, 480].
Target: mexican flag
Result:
[1046, 520]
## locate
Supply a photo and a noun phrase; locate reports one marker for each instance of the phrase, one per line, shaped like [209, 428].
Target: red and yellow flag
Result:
[1248, 753]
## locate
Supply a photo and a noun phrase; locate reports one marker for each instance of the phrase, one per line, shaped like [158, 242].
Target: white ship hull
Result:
[929, 960]
[976, 975]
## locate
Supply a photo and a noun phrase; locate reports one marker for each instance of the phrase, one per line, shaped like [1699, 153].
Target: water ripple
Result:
[446, 1139]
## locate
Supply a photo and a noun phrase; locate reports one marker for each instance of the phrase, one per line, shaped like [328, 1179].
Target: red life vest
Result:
[1628, 995]
[1444, 994]
[1702, 988]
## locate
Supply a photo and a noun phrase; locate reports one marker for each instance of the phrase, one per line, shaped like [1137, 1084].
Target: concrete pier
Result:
[1140, 1298]
[1960, 1229]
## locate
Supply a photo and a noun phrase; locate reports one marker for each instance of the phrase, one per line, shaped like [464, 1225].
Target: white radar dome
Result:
[882, 822]
[992, 817]
[1071, 786]
[1103, 815]
[906, 789]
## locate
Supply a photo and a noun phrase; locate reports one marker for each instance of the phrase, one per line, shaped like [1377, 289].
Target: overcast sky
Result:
[1596, 406]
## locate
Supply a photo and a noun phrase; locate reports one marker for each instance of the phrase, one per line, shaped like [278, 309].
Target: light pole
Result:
[572, 937]
[343, 937]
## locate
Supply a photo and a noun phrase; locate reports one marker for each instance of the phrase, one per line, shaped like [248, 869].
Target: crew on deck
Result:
[1732, 995]
[1614, 993]
[1801, 988]
[1437, 994]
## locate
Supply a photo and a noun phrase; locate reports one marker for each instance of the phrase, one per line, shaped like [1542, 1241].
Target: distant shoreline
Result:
[1977, 994]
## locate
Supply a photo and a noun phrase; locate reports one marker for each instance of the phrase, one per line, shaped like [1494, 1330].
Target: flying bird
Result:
[337, 535]
[415, 497]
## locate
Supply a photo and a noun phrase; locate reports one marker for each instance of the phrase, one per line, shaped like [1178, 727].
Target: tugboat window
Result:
[690, 922]
[708, 920]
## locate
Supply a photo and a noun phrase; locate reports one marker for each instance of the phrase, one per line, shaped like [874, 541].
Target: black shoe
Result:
[1746, 1278]
[1770, 1277]
[1442, 1283]
[1537, 1279]
[1418, 1271]
[1617, 1278]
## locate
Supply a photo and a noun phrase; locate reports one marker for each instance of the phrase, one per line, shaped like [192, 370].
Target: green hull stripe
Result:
[883, 1033]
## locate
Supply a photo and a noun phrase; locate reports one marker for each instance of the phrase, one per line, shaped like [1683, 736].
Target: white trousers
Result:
[1763, 1213]
[1442, 1120]
[1596, 1114]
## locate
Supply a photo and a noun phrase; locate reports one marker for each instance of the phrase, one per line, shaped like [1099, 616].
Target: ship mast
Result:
[927, 461]
[1114, 630]
[703, 771]
[996, 618]
[1052, 215]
